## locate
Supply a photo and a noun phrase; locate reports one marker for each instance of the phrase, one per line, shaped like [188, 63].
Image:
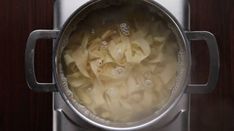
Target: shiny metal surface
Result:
[176, 120]
[179, 115]
[64, 8]
[153, 119]
[29, 60]
[214, 62]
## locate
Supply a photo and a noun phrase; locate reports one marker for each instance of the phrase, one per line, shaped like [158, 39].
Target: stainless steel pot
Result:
[182, 85]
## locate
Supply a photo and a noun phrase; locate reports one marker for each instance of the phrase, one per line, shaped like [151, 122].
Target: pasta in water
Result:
[123, 69]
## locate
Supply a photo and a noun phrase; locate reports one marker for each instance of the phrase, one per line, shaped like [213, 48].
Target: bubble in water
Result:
[69, 93]
[86, 112]
[124, 29]
[104, 44]
[148, 83]
[118, 71]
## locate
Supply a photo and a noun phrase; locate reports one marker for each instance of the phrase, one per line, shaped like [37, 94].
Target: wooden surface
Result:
[215, 111]
[22, 109]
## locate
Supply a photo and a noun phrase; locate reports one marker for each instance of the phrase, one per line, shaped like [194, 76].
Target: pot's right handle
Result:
[29, 60]
[214, 62]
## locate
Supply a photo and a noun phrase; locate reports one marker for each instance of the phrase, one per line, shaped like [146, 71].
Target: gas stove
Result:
[178, 119]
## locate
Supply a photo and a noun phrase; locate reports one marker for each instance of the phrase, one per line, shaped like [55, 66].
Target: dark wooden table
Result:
[22, 109]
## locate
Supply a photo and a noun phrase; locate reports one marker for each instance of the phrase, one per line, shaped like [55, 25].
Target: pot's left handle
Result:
[29, 60]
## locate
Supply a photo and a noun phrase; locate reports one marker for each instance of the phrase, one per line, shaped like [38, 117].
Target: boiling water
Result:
[121, 62]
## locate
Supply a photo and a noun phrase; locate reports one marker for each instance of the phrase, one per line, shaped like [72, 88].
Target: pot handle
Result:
[214, 62]
[29, 60]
